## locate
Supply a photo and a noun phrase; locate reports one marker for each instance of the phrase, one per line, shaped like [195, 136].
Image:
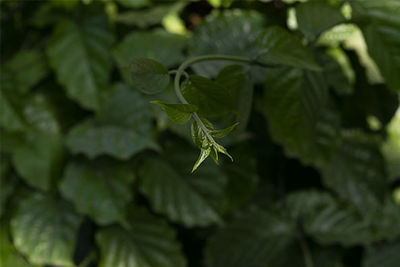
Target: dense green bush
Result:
[94, 174]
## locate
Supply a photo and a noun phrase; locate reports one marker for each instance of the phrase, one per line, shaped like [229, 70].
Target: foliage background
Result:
[92, 174]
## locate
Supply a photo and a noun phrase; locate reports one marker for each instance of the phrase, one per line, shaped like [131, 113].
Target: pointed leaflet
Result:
[276, 46]
[204, 153]
[224, 132]
[45, 230]
[172, 194]
[379, 22]
[178, 113]
[254, 237]
[38, 159]
[145, 241]
[99, 189]
[327, 220]
[229, 32]
[80, 56]
[94, 140]
[315, 17]
[148, 75]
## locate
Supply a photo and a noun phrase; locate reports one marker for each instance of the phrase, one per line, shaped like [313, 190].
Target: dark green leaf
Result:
[55, 230]
[255, 237]
[231, 32]
[124, 107]
[379, 22]
[177, 195]
[178, 113]
[209, 96]
[38, 159]
[148, 75]
[94, 140]
[276, 46]
[356, 172]
[101, 190]
[80, 55]
[327, 220]
[315, 17]
[10, 114]
[134, 3]
[146, 241]
[385, 255]
[27, 68]
[147, 44]
[299, 116]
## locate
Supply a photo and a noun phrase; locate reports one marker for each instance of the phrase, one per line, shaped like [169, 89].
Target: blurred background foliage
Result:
[92, 174]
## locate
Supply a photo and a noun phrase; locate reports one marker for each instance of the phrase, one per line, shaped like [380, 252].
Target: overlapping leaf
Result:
[276, 46]
[45, 230]
[80, 56]
[147, 44]
[356, 172]
[100, 189]
[299, 116]
[255, 238]
[328, 220]
[232, 32]
[146, 241]
[38, 159]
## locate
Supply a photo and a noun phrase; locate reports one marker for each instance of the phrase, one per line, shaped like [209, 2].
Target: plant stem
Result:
[308, 261]
[186, 64]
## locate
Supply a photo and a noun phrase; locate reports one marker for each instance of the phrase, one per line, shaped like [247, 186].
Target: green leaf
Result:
[124, 107]
[99, 189]
[40, 114]
[315, 17]
[146, 241]
[276, 46]
[255, 237]
[383, 255]
[148, 75]
[38, 159]
[299, 114]
[197, 134]
[56, 226]
[356, 172]
[9, 256]
[147, 45]
[11, 117]
[210, 97]
[238, 80]
[379, 22]
[224, 132]
[80, 55]
[94, 140]
[27, 68]
[204, 153]
[230, 32]
[327, 220]
[178, 113]
[180, 196]
[7, 184]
